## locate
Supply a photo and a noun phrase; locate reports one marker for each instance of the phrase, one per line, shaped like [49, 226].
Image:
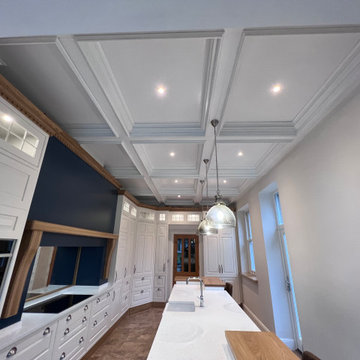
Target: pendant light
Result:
[205, 227]
[219, 216]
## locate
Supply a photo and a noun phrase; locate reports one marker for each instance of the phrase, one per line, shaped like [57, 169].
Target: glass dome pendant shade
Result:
[219, 216]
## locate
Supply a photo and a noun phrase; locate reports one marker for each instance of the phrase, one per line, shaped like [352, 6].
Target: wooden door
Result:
[186, 255]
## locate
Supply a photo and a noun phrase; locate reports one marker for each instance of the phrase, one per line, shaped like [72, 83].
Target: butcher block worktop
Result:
[252, 345]
[208, 281]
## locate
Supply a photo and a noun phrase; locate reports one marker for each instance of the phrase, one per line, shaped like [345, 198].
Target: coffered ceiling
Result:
[141, 104]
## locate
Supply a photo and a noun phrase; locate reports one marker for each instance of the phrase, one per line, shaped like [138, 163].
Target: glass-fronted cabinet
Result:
[6, 253]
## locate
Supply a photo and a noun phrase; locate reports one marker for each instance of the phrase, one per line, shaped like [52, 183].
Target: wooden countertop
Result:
[252, 345]
[208, 281]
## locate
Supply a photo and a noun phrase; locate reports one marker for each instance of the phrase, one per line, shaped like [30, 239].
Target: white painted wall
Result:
[319, 186]
[42, 17]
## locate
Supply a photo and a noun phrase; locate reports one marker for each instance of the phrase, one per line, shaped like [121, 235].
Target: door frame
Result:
[197, 263]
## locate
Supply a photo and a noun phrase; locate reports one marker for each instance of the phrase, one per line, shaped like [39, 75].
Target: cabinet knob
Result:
[86, 308]
[141, 291]
[142, 278]
[81, 340]
[97, 300]
[62, 356]
[67, 330]
[46, 331]
[69, 318]
[158, 289]
[126, 297]
[12, 352]
[106, 315]
[159, 277]
[95, 323]
[84, 319]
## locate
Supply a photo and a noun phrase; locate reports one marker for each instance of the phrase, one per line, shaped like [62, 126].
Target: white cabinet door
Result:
[228, 259]
[144, 249]
[161, 249]
[115, 307]
[139, 248]
[212, 256]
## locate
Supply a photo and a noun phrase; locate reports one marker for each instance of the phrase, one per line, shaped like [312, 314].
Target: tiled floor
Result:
[132, 337]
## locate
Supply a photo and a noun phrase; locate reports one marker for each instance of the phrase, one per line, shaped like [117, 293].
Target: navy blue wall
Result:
[70, 192]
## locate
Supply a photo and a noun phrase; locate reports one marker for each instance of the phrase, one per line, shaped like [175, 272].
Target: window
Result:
[162, 217]
[133, 211]
[126, 206]
[177, 217]
[193, 217]
[249, 243]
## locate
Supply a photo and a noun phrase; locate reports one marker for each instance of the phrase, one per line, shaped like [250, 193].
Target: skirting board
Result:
[290, 343]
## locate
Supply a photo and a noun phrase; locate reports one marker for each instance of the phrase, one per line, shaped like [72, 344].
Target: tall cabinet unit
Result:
[161, 258]
[22, 148]
[144, 256]
[220, 258]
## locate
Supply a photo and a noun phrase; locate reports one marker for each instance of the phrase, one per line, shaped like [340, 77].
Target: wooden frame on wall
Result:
[29, 245]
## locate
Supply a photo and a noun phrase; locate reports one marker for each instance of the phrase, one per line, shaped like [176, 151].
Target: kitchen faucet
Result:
[201, 288]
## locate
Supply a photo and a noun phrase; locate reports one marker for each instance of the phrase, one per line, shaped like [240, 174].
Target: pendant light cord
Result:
[217, 170]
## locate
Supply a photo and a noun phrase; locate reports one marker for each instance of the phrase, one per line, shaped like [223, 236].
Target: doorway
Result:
[186, 256]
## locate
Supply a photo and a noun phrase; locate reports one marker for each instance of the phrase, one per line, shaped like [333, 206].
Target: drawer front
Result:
[141, 295]
[159, 281]
[97, 336]
[159, 294]
[125, 301]
[100, 302]
[126, 285]
[31, 347]
[99, 320]
[72, 323]
[142, 281]
[71, 347]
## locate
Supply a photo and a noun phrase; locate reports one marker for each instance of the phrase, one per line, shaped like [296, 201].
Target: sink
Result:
[181, 306]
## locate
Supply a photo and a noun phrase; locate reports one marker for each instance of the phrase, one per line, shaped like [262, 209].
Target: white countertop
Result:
[201, 334]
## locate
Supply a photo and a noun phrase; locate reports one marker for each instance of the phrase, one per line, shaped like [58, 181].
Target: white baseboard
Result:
[255, 319]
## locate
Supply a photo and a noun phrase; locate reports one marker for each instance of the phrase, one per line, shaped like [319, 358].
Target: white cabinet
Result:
[144, 249]
[220, 254]
[22, 147]
[161, 249]
[115, 306]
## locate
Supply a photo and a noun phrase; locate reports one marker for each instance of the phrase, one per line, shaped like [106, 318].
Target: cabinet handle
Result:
[46, 331]
[12, 352]
[81, 340]
[86, 308]
[125, 272]
[67, 330]
[106, 315]
[95, 323]
[62, 356]
[126, 297]
[159, 277]
[142, 278]
[108, 294]
[141, 291]
[84, 319]
[68, 318]
[164, 267]
[134, 269]
[97, 300]
[222, 269]
[158, 289]
[115, 275]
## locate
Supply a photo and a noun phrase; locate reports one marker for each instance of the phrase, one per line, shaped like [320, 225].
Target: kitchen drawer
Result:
[72, 323]
[96, 337]
[159, 294]
[30, 347]
[125, 301]
[71, 348]
[126, 285]
[159, 281]
[99, 320]
[142, 281]
[100, 302]
[141, 295]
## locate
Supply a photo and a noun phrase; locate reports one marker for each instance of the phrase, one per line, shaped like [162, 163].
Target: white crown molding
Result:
[88, 130]
[71, 52]
[271, 131]
[31, 40]
[99, 139]
[151, 35]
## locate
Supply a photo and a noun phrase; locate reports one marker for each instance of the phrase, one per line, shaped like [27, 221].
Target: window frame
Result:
[251, 266]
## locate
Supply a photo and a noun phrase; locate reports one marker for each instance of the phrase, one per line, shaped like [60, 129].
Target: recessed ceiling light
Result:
[7, 118]
[240, 153]
[176, 181]
[179, 196]
[161, 90]
[225, 181]
[276, 89]
[172, 154]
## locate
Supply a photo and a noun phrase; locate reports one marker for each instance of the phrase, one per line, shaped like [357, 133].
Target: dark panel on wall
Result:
[70, 192]
[64, 266]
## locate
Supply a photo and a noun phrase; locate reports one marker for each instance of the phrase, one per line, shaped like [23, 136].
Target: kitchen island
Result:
[199, 334]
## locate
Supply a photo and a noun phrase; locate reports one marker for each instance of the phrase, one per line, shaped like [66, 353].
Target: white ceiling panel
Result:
[140, 66]
[136, 187]
[41, 73]
[301, 63]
